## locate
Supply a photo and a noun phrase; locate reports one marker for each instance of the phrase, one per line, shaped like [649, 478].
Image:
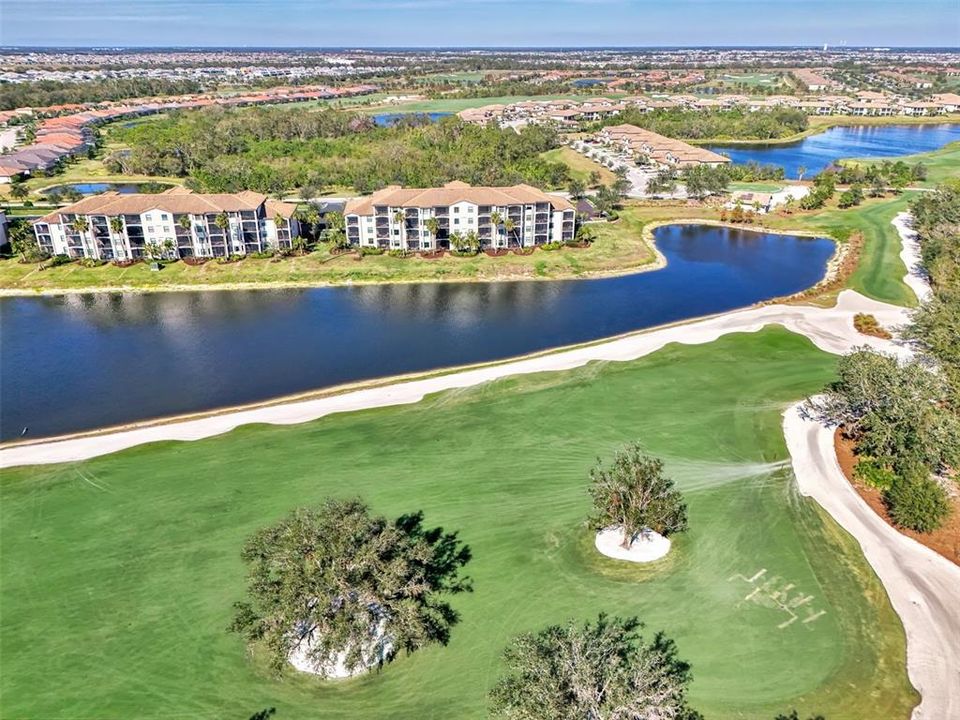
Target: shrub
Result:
[873, 473]
[399, 253]
[364, 251]
[552, 246]
[90, 262]
[919, 503]
[59, 260]
[261, 255]
[867, 324]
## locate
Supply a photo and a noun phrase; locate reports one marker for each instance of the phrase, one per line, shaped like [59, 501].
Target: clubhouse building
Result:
[426, 218]
[177, 223]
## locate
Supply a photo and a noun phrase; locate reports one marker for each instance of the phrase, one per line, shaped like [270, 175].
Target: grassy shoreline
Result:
[626, 247]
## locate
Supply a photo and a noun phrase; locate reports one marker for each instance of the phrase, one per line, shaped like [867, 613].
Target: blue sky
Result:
[479, 22]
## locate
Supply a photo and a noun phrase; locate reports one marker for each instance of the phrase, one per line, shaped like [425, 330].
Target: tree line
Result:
[905, 416]
[734, 124]
[44, 93]
[273, 150]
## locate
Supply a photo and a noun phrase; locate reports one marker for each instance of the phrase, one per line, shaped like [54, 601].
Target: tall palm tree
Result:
[801, 171]
[81, 225]
[400, 217]
[433, 227]
[496, 219]
[116, 228]
[222, 221]
[509, 226]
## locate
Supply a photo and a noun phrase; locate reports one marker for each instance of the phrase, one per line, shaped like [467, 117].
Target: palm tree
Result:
[433, 227]
[400, 217]
[457, 241]
[801, 171]
[472, 241]
[184, 222]
[222, 221]
[509, 226]
[496, 219]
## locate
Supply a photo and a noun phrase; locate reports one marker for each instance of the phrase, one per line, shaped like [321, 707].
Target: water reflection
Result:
[860, 141]
[84, 361]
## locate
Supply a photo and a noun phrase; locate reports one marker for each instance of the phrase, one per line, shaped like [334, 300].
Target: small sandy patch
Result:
[647, 547]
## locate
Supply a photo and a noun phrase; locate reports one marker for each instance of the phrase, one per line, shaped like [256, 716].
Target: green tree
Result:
[634, 495]
[801, 171]
[18, 190]
[400, 218]
[577, 188]
[602, 671]
[496, 220]
[433, 227]
[328, 580]
[508, 227]
[896, 412]
[917, 503]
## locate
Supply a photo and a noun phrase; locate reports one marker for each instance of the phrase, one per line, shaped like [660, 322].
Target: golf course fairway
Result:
[119, 573]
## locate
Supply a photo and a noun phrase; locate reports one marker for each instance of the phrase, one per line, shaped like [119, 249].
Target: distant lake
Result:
[84, 361]
[386, 119]
[819, 151]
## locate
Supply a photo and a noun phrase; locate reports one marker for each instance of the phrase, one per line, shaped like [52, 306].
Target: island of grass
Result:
[130, 563]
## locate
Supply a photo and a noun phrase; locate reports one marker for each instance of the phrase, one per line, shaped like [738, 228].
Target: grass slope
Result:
[118, 574]
[580, 166]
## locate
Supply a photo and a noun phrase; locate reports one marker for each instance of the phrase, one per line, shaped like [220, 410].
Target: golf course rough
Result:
[119, 573]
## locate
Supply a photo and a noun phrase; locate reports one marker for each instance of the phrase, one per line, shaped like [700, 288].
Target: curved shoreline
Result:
[658, 263]
[833, 122]
[830, 329]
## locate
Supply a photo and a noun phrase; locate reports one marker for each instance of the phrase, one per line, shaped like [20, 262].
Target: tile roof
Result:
[177, 201]
[452, 193]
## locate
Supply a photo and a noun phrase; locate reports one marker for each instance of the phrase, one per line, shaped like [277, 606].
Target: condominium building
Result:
[174, 224]
[661, 150]
[426, 218]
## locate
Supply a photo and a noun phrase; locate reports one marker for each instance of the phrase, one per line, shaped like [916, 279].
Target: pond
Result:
[83, 361]
[819, 151]
[95, 188]
[387, 119]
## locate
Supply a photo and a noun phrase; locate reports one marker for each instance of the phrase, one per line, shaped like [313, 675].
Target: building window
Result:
[456, 209]
[456, 221]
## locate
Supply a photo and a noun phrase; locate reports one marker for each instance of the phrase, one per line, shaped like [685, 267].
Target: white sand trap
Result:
[649, 546]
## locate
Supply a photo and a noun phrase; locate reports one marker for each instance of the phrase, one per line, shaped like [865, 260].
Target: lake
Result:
[83, 361]
[387, 119]
[819, 151]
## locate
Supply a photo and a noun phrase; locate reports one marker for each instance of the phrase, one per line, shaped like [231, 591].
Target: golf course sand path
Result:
[916, 278]
[830, 329]
[924, 587]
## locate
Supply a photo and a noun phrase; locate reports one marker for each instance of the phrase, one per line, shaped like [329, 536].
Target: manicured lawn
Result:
[118, 574]
[766, 187]
[579, 165]
[880, 271]
[619, 247]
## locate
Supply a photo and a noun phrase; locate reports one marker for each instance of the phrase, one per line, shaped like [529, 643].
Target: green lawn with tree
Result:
[130, 564]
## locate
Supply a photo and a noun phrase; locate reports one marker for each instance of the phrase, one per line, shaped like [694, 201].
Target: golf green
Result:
[118, 574]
